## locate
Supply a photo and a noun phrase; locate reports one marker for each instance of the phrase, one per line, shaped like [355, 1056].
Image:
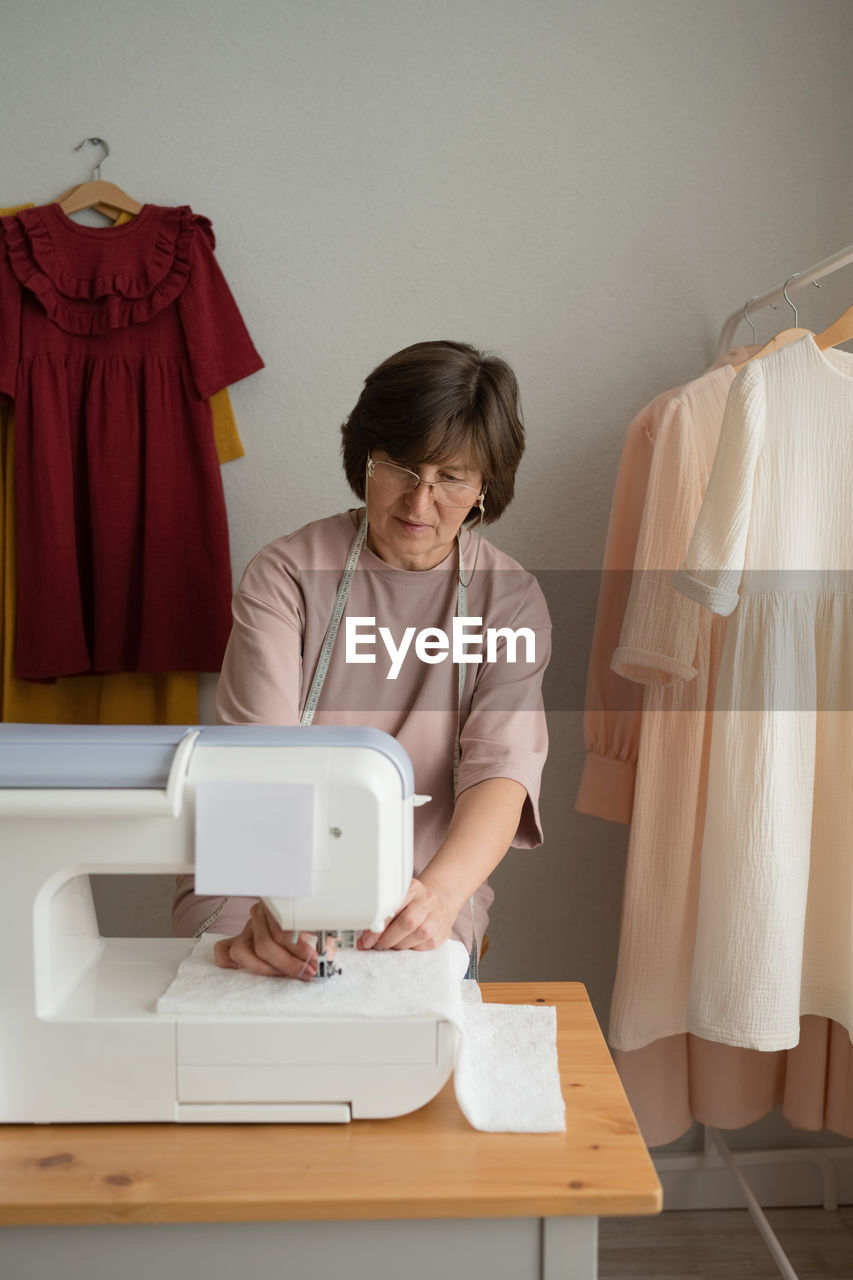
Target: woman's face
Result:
[411, 530]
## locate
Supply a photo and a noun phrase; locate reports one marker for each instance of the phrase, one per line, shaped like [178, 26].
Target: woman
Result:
[432, 448]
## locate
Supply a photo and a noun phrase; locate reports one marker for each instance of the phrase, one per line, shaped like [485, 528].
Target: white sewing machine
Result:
[80, 1038]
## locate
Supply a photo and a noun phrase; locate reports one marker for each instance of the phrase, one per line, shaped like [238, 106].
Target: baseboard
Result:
[793, 1176]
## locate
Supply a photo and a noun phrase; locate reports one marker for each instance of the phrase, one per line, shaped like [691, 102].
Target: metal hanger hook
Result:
[787, 299]
[95, 142]
[748, 321]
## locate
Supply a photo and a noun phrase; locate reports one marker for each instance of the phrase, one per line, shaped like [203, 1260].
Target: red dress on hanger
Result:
[111, 343]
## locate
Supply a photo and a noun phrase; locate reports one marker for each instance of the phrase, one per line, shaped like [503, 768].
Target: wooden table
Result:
[423, 1197]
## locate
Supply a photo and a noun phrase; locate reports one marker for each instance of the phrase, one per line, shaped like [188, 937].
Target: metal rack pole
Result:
[801, 278]
[756, 1212]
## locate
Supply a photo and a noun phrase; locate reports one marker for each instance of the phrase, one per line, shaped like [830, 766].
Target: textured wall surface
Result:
[587, 187]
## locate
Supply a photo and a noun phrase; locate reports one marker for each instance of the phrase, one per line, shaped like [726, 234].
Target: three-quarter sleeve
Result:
[714, 562]
[219, 348]
[613, 705]
[661, 626]
[505, 734]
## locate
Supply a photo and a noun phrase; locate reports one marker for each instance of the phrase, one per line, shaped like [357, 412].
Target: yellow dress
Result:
[126, 698]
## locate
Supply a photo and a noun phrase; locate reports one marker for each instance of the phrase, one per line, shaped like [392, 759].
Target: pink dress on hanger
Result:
[670, 648]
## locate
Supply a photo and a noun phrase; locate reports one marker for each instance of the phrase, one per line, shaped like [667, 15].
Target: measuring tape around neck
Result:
[322, 669]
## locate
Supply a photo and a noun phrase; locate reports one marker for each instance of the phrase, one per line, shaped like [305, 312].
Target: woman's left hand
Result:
[423, 922]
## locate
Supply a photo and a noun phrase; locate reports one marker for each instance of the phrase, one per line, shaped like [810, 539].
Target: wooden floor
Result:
[724, 1244]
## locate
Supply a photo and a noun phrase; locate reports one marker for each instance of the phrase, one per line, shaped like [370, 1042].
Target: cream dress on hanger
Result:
[773, 546]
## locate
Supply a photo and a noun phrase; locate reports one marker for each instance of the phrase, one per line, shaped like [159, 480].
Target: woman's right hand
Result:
[265, 948]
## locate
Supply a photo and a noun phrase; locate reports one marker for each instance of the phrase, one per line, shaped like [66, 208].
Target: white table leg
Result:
[569, 1248]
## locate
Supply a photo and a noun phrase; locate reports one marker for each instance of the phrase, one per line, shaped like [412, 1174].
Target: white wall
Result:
[586, 187]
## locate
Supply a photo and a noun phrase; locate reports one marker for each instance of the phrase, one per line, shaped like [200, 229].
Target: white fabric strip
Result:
[506, 1078]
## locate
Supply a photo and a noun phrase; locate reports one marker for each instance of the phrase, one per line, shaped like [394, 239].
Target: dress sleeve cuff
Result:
[606, 788]
[644, 666]
[717, 599]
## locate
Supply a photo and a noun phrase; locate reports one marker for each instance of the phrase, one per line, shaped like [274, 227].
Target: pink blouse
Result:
[281, 611]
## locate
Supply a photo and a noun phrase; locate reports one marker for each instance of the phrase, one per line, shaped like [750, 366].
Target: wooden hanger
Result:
[98, 194]
[781, 339]
[90, 195]
[108, 210]
[840, 331]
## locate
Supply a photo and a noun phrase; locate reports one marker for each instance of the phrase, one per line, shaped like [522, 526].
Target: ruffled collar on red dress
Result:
[89, 280]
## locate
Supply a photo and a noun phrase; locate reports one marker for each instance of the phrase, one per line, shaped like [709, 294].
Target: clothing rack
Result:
[716, 1152]
[797, 281]
[713, 1138]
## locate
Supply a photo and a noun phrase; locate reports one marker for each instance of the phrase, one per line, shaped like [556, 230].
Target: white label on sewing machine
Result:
[254, 838]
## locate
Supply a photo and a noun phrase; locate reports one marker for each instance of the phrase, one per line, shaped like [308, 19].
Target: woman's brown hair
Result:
[432, 401]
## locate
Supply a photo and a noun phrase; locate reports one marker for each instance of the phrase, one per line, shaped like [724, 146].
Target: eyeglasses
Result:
[451, 493]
